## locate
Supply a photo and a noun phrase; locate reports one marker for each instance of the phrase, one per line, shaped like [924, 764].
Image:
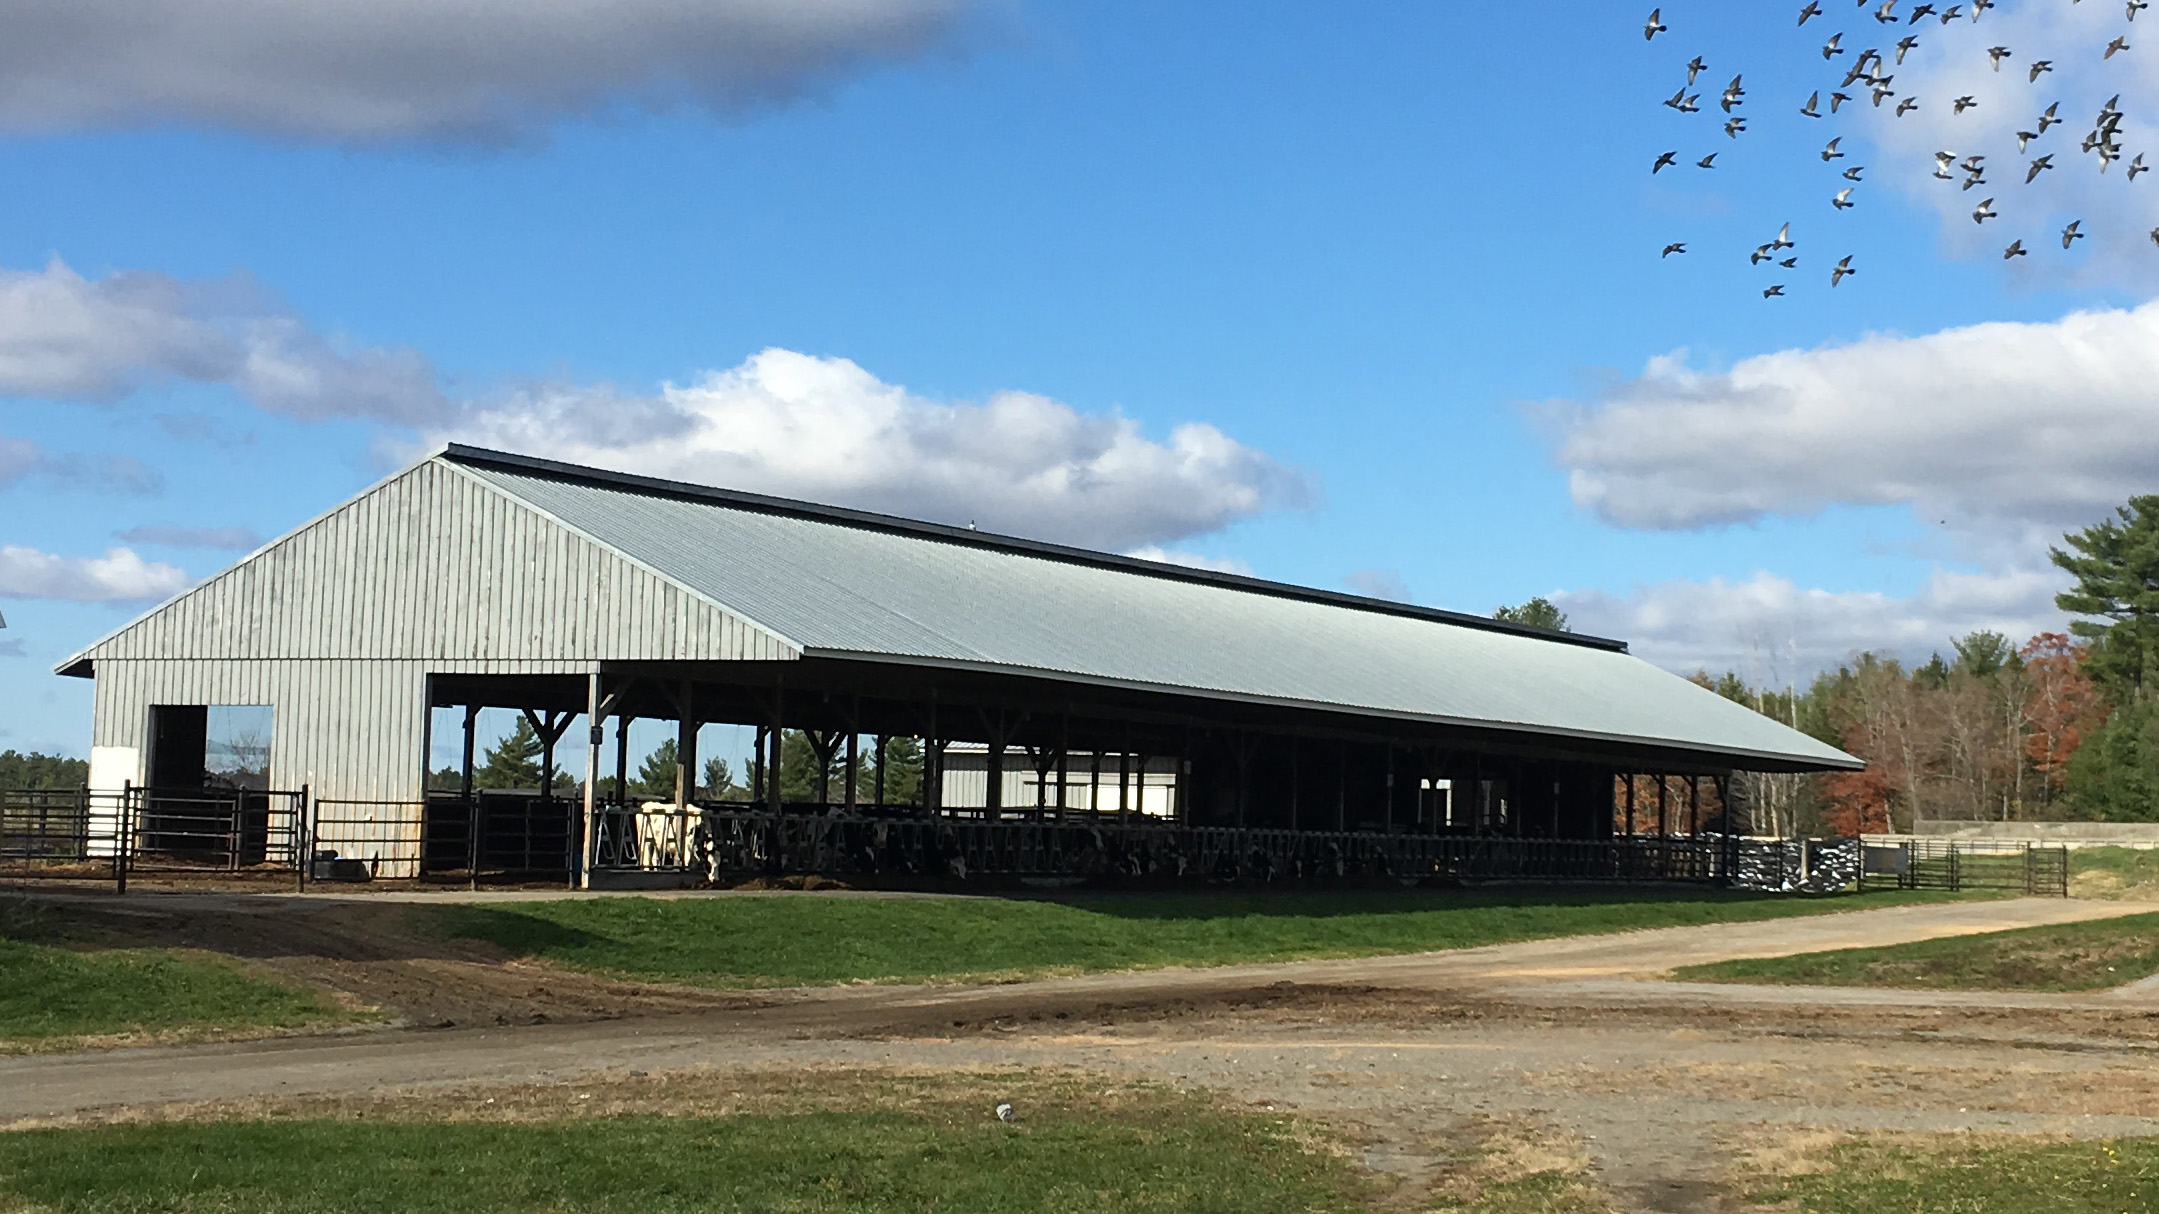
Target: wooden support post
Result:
[854, 768]
[622, 758]
[773, 732]
[1664, 787]
[1094, 780]
[464, 783]
[686, 747]
[882, 742]
[587, 849]
[1630, 805]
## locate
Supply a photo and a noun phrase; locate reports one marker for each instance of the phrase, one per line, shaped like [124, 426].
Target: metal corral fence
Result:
[748, 844]
[2026, 868]
[79, 835]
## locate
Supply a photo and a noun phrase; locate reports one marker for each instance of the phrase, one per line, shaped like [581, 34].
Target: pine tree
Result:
[514, 762]
[1539, 612]
[2116, 567]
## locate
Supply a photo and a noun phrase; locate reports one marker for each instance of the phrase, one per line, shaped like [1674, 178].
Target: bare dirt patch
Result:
[374, 955]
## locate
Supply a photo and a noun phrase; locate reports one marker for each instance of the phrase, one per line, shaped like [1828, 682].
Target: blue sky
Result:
[1393, 268]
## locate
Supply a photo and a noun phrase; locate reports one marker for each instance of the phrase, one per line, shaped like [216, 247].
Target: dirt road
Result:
[1658, 1082]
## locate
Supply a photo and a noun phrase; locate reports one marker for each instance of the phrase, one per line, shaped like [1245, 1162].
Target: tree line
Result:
[514, 762]
[2059, 726]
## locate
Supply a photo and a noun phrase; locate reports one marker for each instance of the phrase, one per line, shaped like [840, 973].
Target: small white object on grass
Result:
[1006, 1113]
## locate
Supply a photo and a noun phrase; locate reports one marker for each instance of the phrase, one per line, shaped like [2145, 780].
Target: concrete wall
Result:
[2053, 834]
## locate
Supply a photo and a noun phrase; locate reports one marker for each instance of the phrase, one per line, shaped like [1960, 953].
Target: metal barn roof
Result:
[841, 583]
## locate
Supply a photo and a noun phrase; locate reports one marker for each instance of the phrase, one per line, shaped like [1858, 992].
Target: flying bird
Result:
[1841, 271]
[1734, 125]
[2155, 235]
[1904, 47]
[1951, 13]
[1852, 173]
[2016, 249]
[1695, 67]
[1732, 95]
[1964, 103]
[1773, 291]
[2070, 235]
[1831, 153]
[2134, 5]
[2138, 166]
[1984, 213]
[2038, 166]
[1884, 13]
[1942, 161]
[1784, 238]
[2050, 118]
[1677, 100]
[1906, 106]
[1980, 6]
[1789, 262]
[1832, 48]
[2024, 139]
[1924, 10]
[1812, 108]
[1997, 54]
[1836, 101]
[2040, 66]
[1663, 162]
[1674, 247]
[1811, 10]
[1706, 162]
[2116, 47]
[1654, 26]
[1843, 200]
[1761, 254]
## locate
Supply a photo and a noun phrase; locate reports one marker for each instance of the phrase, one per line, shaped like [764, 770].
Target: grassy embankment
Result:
[2068, 957]
[806, 940]
[833, 1143]
[56, 991]
[2114, 873]
[1974, 1176]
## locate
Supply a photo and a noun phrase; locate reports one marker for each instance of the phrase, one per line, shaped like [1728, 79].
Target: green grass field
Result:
[53, 995]
[1957, 1176]
[1171, 1155]
[2069, 957]
[807, 940]
[2113, 872]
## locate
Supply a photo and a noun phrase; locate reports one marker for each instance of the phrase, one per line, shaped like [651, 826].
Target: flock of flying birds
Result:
[1869, 75]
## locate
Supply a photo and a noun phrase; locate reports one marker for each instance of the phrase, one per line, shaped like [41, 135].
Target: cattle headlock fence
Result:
[95, 836]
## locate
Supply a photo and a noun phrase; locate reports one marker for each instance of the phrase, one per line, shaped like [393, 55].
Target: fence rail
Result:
[1956, 865]
[81, 835]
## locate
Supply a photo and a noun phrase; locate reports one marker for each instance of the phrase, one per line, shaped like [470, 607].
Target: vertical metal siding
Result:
[338, 626]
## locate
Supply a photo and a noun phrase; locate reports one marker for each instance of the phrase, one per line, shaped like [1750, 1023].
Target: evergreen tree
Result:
[1538, 612]
[655, 779]
[514, 762]
[2116, 567]
[41, 771]
[719, 782]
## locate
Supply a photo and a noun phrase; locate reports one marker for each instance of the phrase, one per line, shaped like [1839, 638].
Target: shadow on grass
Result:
[1321, 904]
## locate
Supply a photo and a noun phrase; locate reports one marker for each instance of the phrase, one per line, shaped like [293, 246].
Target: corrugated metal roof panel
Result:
[831, 585]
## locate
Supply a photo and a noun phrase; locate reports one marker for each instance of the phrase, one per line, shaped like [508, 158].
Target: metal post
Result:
[880, 781]
[301, 833]
[1094, 780]
[1664, 785]
[587, 850]
[123, 842]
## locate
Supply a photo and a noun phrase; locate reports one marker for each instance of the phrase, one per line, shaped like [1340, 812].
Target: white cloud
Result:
[21, 459]
[827, 430]
[118, 576]
[1379, 584]
[230, 539]
[65, 337]
[1773, 631]
[471, 70]
[2011, 430]
[1951, 61]
[1192, 560]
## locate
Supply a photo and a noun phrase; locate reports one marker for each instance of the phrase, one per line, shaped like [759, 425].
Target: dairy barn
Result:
[1078, 715]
